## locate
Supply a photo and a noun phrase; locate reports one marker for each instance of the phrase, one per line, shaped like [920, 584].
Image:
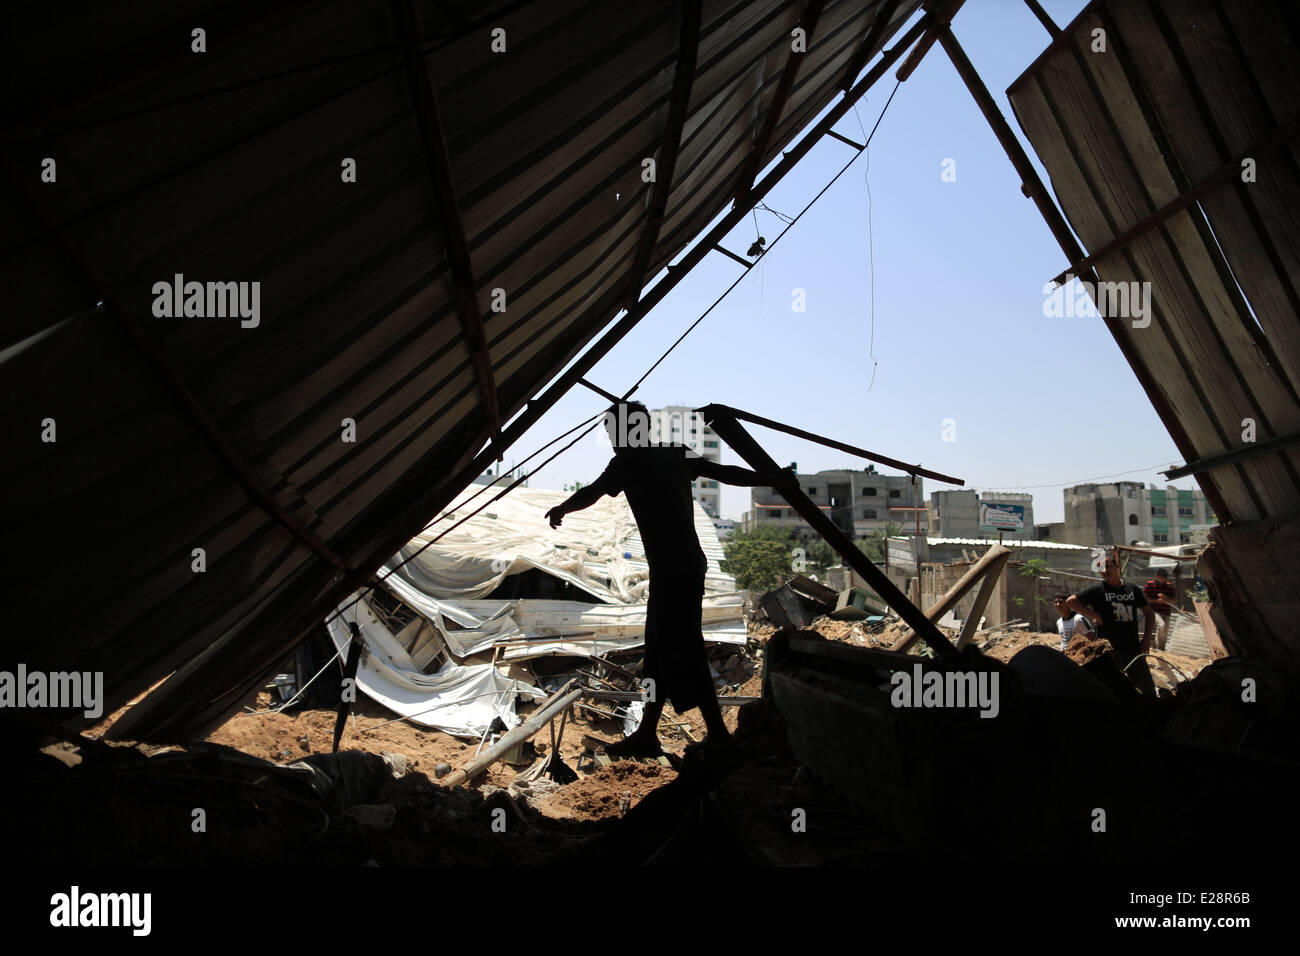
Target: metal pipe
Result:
[831, 443]
[558, 702]
[734, 434]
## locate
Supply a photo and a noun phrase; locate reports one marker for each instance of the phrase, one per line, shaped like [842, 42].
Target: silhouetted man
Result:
[656, 477]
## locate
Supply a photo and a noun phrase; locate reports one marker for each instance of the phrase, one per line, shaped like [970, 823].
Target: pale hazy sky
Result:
[959, 327]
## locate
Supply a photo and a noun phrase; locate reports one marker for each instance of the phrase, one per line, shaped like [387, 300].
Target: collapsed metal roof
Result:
[1145, 144]
[1168, 129]
[483, 161]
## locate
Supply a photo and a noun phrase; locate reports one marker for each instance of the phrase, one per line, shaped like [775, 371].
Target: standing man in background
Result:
[1071, 623]
[1158, 591]
[1112, 604]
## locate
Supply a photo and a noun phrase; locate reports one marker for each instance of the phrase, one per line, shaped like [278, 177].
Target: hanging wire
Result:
[773, 243]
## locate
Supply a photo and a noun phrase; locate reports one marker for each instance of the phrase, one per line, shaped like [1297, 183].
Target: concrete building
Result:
[859, 502]
[681, 424]
[957, 514]
[1128, 512]
[502, 476]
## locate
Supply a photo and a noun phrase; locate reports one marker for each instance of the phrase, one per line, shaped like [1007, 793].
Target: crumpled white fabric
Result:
[459, 699]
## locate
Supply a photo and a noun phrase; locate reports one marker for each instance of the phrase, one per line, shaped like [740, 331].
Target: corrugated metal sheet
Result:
[225, 165]
[1182, 90]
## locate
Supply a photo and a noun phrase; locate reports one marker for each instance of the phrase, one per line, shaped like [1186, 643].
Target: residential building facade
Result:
[859, 502]
[956, 514]
[1128, 512]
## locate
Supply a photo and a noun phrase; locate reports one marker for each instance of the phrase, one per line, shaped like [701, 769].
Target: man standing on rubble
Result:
[656, 477]
[1158, 591]
[1112, 606]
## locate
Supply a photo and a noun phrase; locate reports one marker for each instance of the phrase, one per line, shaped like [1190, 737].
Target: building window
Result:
[895, 493]
[710, 444]
[1132, 519]
[774, 514]
[1158, 510]
[869, 492]
[868, 513]
[1131, 493]
[1185, 512]
[1184, 538]
[1161, 537]
[812, 491]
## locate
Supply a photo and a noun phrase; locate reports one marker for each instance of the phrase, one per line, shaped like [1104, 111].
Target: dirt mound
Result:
[609, 792]
[1083, 649]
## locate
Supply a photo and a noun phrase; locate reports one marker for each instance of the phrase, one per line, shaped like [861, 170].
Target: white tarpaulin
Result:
[459, 699]
[597, 550]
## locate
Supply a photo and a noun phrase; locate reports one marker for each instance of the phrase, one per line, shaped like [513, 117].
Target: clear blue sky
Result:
[959, 331]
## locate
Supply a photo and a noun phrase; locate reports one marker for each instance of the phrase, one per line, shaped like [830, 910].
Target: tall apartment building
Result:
[956, 514]
[682, 425]
[1126, 512]
[859, 503]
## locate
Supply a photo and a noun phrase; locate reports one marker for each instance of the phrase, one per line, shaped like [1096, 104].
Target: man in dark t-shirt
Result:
[1158, 591]
[656, 478]
[1113, 606]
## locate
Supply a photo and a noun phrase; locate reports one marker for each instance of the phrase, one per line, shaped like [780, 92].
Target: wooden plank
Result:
[990, 565]
[1240, 61]
[1058, 150]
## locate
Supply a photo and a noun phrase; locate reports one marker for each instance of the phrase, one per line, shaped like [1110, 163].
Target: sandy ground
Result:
[287, 737]
[599, 793]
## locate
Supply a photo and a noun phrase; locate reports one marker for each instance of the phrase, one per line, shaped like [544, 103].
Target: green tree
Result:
[820, 556]
[1032, 567]
[757, 562]
[874, 545]
[575, 486]
[767, 558]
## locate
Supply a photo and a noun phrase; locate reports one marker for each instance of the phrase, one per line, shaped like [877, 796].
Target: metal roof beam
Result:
[727, 426]
[944, 11]
[772, 118]
[688, 47]
[1226, 173]
[867, 47]
[447, 208]
[1229, 457]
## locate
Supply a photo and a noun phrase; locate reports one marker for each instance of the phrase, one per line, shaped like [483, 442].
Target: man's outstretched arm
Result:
[584, 497]
[783, 478]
